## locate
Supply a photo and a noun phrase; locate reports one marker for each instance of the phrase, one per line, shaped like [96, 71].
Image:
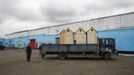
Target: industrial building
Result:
[120, 27]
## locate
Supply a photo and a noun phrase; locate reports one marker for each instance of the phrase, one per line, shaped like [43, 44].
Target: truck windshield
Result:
[110, 41]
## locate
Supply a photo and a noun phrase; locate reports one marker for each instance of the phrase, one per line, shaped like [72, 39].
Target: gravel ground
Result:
[13, 62]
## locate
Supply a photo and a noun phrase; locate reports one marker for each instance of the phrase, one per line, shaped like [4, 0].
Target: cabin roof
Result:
[79, 29]
[62, 31]
[93, 29]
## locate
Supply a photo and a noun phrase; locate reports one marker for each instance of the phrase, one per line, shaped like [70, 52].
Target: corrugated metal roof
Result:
[70, 23]
[18, 32]
[112, 15]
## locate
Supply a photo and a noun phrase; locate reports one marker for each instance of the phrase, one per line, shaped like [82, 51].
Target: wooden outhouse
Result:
[62, 36]
[92, 36]
[68, 36]
[80, 36]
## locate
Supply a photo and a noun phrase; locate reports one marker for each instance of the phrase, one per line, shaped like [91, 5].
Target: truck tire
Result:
[42, 55]
[107, 56]
[62, 56]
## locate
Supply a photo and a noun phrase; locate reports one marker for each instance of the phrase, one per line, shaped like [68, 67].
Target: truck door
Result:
[110, 43]
[101, 43]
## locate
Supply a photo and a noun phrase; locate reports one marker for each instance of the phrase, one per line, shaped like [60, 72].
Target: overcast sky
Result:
[18, 15]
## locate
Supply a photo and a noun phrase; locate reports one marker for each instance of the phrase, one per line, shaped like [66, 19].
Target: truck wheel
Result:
[62, 56]
[107, 56]
[42, 55]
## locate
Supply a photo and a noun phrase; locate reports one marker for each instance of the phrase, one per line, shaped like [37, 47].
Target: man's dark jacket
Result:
[28, 49]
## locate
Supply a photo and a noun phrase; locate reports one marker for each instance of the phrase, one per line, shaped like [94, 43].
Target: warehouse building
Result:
[120, 27]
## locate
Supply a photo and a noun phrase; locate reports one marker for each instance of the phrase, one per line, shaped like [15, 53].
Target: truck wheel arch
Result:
[62, 55]
[107, 55]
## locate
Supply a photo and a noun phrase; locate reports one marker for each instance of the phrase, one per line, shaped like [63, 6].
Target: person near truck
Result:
[28, 52]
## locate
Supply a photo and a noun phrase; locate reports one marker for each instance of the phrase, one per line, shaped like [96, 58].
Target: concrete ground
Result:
[13, 62]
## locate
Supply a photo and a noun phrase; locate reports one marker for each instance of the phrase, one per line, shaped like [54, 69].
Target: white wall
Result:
[99, 24]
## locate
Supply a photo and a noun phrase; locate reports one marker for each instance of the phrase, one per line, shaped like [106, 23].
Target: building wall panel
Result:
[130, 20]
[124, 38]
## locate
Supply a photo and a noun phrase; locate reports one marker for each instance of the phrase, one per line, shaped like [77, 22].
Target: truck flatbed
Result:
[104, 49]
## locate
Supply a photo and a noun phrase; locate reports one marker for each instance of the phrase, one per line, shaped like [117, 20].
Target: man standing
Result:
[28, 52]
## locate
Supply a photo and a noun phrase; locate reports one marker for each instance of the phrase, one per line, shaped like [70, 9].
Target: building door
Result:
[32, 43]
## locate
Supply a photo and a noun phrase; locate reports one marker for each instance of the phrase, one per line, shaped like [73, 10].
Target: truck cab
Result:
[107, 45]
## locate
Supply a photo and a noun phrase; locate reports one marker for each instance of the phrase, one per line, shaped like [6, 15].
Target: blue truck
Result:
[105, 48]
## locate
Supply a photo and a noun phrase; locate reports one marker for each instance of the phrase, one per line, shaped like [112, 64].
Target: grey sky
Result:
[18, 15]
